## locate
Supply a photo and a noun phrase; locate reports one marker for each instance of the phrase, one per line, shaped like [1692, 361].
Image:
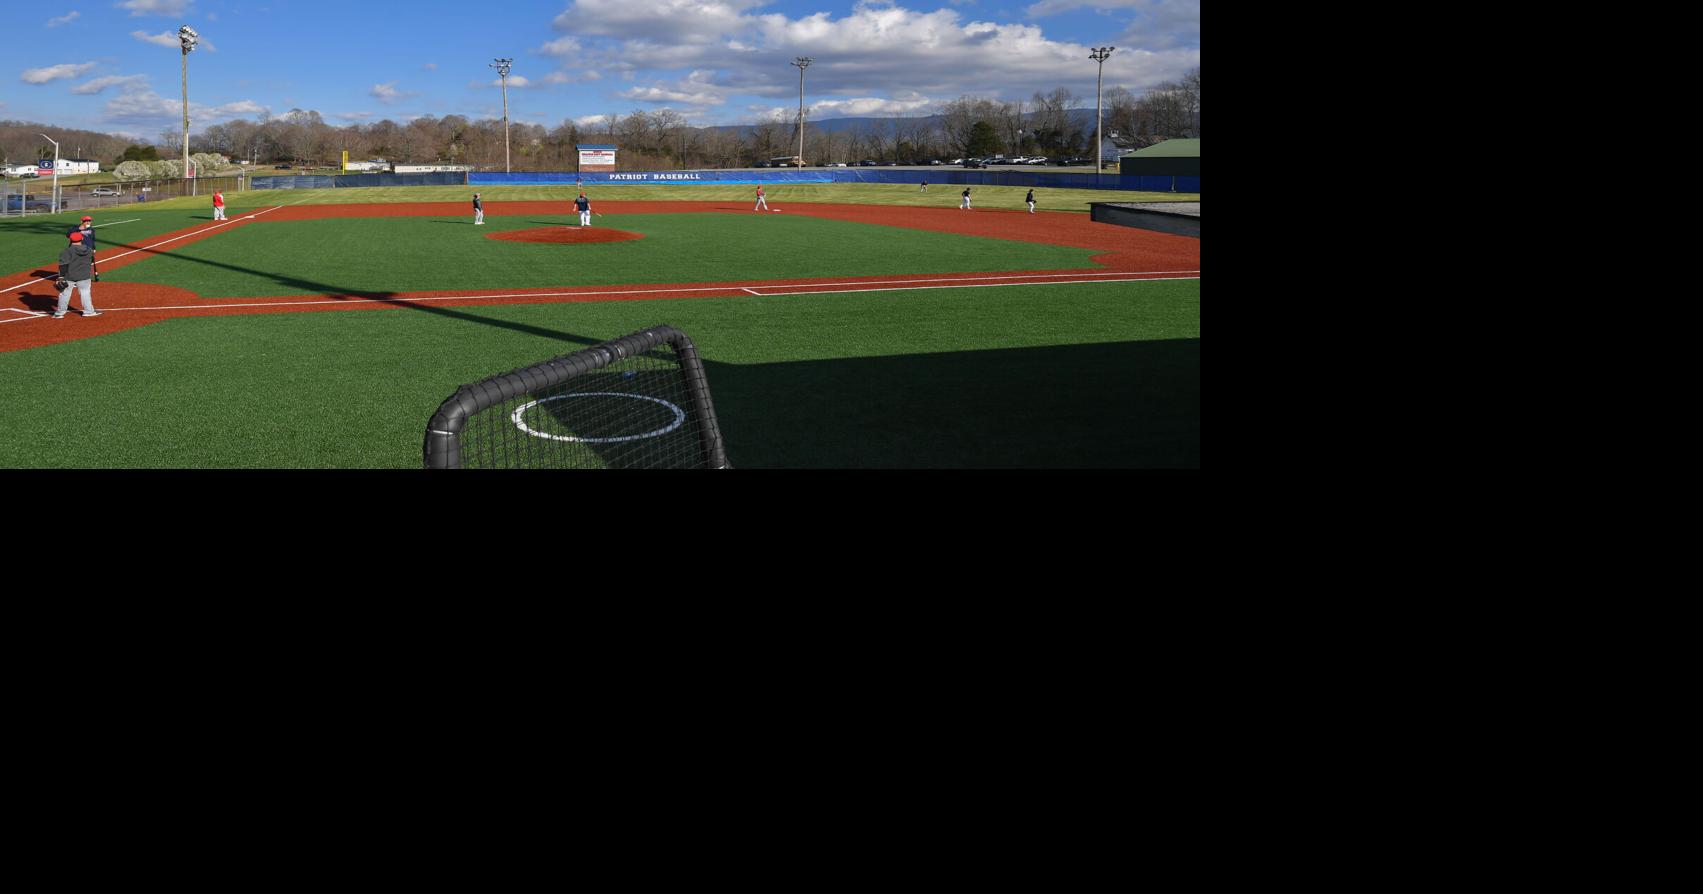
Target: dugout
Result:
[1172, 158]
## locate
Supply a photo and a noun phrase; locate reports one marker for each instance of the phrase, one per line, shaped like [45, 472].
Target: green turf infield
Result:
[35, 242]
[420, 254]
[1096, 375]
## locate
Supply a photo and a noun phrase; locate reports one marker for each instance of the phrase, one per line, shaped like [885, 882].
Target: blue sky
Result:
[113, 65]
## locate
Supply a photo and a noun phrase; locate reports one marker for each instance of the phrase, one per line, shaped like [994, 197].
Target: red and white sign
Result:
[604, 157]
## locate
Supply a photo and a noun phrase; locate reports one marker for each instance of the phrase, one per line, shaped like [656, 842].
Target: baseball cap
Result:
[76, 237]
[86, 217]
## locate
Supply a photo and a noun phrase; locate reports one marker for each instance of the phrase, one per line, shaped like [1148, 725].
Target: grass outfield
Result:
[37, 239]
[1096, 375]
[939, 195]
[420, 254]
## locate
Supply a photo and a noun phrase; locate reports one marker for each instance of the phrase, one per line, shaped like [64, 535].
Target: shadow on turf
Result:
[1121, 405]
[333, 292]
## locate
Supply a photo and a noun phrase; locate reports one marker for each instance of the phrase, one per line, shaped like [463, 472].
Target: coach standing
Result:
[76, 268]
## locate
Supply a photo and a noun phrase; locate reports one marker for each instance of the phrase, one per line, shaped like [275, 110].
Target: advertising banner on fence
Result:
[596, 156]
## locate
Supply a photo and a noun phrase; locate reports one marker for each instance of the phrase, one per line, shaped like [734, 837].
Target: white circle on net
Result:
[679, 418]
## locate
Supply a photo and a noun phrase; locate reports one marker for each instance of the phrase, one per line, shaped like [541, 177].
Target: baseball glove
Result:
[61, 285]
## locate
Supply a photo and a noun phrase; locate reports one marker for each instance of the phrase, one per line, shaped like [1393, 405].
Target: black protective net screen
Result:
[633, 414]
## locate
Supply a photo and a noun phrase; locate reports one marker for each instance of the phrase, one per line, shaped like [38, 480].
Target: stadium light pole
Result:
[1100, 55]
[502, 66]
[802, 62]
[187, 37]
[54, 204]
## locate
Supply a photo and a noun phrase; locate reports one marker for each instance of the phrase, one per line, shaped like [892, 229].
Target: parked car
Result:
[936, 162]
[974, 163]
[105, 191]
[867, 163]
[15, 203]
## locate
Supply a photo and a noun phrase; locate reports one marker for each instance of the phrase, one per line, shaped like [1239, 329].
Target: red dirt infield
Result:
[1126, 254]
[567, 235]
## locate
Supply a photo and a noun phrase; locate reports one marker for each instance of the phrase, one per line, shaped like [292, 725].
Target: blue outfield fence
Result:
[349, 181]
[942, 176]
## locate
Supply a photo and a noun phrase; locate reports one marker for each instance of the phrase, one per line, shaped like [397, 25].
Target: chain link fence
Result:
[35, 196]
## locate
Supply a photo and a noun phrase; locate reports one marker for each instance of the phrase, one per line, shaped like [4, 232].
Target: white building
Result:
[74, 166]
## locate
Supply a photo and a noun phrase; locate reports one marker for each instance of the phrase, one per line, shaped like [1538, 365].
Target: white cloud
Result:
[355, 116]
[64, 20]
[148, 107]
[55, 73]
[514, 82]
[430, 66]
[164, 38]
[698, 89]
[387, 93]
[562, 46]
[125, 83]
[156, 7]
[878, 54]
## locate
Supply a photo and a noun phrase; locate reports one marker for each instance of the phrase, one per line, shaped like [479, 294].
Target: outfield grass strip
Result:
[155, 245]
[889, 285]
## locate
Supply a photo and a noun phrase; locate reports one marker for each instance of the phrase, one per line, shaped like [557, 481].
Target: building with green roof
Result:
[1172, 158]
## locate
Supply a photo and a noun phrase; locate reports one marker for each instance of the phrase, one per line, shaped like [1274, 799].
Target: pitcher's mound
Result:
[566, 235]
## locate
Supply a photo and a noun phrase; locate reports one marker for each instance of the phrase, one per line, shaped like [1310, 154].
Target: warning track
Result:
[1125, 255]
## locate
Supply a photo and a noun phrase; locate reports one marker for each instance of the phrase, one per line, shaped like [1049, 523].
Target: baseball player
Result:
[584, 206]
[478, 211]
[1031, 200]
[76, 268]
[218, 205]
[87, 230]
[762, 203]
[965, 205]
[924, 187]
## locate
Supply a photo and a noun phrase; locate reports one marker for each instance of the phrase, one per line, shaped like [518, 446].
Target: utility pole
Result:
[188, 38]
[54, 202]
[1100, 55]
[502, 66]
[802, 62]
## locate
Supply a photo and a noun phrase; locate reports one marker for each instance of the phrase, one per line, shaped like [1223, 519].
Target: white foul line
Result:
[984, 285]
[157, 244]
[115, 223]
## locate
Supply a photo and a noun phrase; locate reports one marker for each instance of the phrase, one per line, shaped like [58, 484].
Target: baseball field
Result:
[852, 327]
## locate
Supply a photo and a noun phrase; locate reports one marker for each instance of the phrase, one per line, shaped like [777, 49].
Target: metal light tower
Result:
[802, 63]
[1100, 55]
[188, 38]
[502, 66]
[54, 203]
